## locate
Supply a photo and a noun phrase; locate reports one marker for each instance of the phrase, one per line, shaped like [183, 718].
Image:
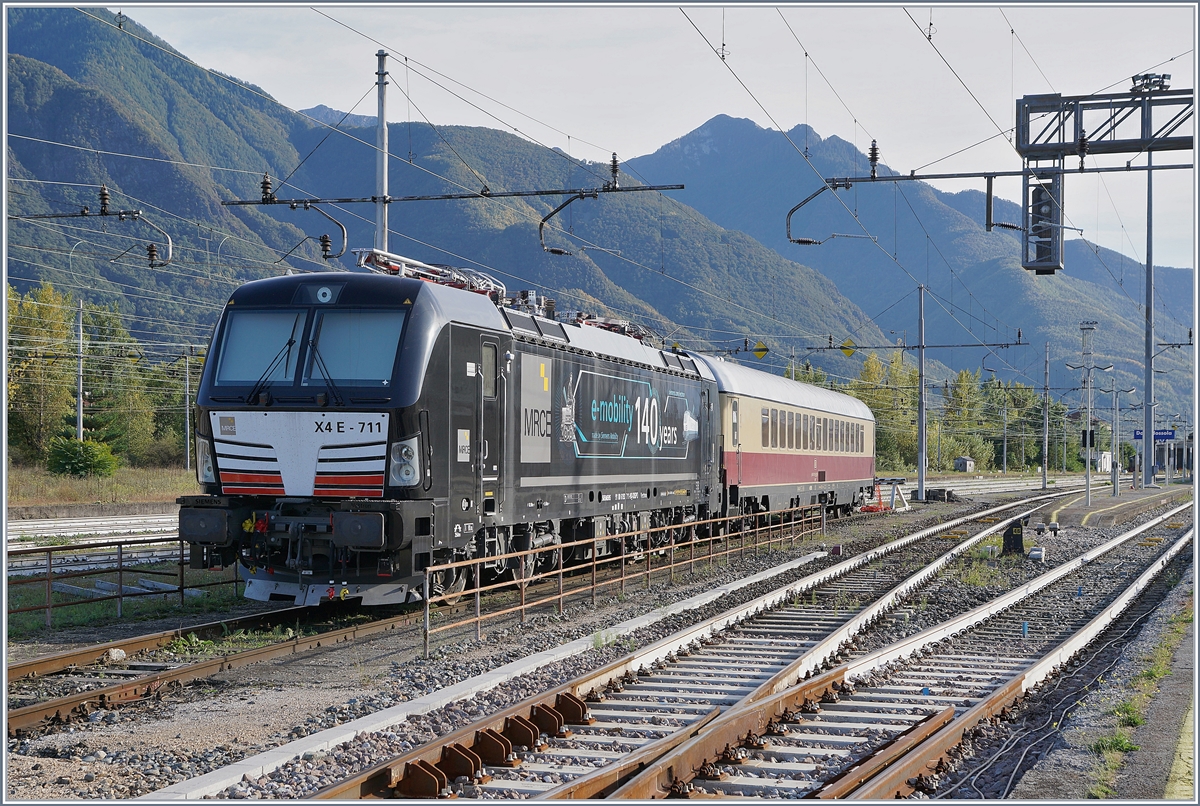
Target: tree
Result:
[41, 371]
[120, 406]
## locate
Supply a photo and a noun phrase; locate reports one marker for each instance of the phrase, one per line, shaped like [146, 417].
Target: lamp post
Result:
[1088, 366]
[79, 355]
[1116, 437]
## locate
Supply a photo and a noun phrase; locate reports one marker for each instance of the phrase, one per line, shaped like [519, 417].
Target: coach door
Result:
[491, 424]
[736, 440]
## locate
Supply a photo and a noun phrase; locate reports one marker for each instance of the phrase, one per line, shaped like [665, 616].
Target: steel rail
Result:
[64, 709]
[935, 749]
[427, 771]
[60, 661]
[673, 772]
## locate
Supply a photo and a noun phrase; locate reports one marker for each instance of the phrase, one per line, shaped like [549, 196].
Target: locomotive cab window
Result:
[736, 438]
[353, 347]
[260, 345]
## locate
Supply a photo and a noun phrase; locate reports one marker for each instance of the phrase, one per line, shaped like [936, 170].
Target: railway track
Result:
[53, 691]
[670, 712]
[631, 711]
[879, 721]
[108, 675]
[39, 529]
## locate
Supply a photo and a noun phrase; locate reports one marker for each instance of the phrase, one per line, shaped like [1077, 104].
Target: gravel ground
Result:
[1069, 769]
[136, 750]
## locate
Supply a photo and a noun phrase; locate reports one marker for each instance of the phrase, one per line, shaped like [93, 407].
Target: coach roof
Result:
[738, 380]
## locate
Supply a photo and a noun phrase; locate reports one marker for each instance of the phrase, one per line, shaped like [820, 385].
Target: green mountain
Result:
[123, 109]
[748, 178]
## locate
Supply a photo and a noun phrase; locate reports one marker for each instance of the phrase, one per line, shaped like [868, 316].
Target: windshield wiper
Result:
[320, 365]
[252, 398]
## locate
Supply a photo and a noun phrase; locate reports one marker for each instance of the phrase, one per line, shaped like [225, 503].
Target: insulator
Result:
[1018, 335]
[873, 157]
[267, 195]
[806, 241]
[152, 253]
[1083, 143]
[548, 306]
[614, 169]
[326, 246]
[105, 197]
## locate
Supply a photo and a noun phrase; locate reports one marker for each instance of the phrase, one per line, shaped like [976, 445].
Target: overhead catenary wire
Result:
[806, 158]
[370, 145]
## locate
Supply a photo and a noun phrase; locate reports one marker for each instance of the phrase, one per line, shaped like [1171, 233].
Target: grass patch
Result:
[31, 486]
[1131, 713]
[977, 572]
[1111, 749]
[1114, 743]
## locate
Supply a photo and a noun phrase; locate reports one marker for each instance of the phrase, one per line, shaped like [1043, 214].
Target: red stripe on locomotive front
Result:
[251, 478]
[345, 491]
[228, 490]
[323, 480]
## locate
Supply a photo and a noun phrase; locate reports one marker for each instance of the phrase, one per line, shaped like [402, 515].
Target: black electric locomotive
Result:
[354, 429]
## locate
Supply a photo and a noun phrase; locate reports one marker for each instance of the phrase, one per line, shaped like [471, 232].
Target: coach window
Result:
[799, 433]
[734, 405]
[803, 432]
[766, 431]
[774, 428]
[828, 444]
[489, 371]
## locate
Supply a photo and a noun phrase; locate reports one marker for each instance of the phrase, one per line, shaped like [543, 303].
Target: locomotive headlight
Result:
[403, 470]
[205, 472]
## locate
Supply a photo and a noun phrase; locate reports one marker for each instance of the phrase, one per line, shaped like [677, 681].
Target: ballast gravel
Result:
[135, 751]
[216, 722]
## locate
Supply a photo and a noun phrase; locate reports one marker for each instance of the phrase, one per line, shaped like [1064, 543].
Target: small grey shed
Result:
[964, 464]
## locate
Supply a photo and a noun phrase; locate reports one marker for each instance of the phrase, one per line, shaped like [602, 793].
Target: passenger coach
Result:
[787, 444]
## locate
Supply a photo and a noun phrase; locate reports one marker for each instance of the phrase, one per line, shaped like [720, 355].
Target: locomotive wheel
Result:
[451, 584]
[524, 570]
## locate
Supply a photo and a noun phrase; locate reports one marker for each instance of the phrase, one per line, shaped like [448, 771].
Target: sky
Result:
[925, 83]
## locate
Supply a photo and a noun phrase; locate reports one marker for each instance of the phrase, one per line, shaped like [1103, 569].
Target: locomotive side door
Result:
[491, 424]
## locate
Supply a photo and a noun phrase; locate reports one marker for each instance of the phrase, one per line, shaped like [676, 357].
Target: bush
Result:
[166, 451]
[73, 457]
